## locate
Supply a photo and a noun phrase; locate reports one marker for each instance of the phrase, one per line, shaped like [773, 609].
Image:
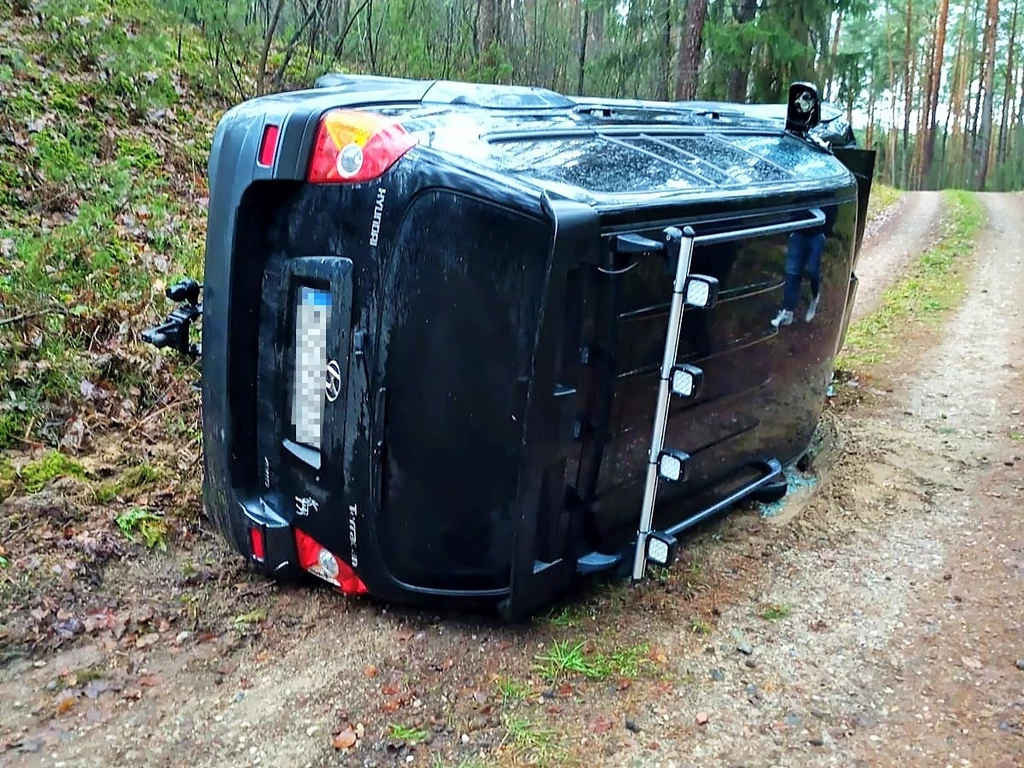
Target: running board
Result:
[772, 474]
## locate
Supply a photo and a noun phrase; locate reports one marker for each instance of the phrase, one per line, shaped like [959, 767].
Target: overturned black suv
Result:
[460, 340]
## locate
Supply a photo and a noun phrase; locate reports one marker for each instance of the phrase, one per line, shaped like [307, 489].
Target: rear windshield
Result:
[645, 163]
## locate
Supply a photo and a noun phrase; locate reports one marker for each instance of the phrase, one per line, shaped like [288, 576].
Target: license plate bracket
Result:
[316, 313]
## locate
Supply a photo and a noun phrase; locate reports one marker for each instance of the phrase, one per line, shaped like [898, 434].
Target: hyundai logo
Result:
[333, 381]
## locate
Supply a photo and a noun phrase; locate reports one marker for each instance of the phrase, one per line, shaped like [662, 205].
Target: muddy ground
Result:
[874, 618]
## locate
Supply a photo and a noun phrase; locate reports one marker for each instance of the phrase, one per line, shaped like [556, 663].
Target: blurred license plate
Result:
[312, 319]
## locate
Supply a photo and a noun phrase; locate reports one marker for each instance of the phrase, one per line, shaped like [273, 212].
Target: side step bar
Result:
[773, 476]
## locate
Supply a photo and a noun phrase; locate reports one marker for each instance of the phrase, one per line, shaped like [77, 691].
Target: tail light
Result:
[353, 146]
[326, 565]
[256, 543]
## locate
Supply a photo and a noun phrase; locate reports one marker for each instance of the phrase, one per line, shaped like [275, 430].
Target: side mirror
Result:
[803, 110]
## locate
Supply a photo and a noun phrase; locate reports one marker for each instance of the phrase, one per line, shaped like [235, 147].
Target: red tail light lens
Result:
[353, 146]
[268, 148]
[256, 540]
[326, 565]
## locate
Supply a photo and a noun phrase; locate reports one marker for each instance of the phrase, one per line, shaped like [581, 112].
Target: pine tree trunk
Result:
[945, 150]
[934, 84]
[957, 97]
[892, 133]
[739, 76]
[909, 61]
[869, 132]
[1019, 132]
[582, 60]
[923, 106]
[989, 59]
[981, 78]
[665, 60]
[691, 50]
[1009, 90]
[485, 24]
[833, 53]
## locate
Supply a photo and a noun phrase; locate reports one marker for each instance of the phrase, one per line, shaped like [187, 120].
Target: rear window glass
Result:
[788, 153]
[592, 164]
[662, 163]
[741, 167]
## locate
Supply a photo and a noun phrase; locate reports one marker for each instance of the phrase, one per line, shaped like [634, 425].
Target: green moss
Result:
[127, 484]
[36, 474]
[139, 154]
[7, 477]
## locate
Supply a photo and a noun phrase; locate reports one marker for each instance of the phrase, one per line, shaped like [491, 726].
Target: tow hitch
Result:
[174, 331]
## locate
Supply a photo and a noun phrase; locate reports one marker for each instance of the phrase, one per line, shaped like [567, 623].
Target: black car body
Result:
[492, 347]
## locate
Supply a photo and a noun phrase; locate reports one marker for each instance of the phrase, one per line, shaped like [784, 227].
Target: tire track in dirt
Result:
[896, 244]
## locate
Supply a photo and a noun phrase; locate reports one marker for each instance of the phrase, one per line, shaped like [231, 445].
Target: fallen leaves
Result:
[145, 641]
[345, 740]
[65, 701]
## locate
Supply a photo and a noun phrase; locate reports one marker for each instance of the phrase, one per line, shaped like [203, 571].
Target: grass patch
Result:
[882, 196]
[406, 734]
[535, 744]
[511, 690]
[36, 474]
[140, 523]
[468, 762]
[700, 626]
[565, 659]
[934, 286]
[567, 616]
[775, 611]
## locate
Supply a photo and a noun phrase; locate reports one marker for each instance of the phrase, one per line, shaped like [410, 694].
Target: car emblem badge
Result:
[333, 381]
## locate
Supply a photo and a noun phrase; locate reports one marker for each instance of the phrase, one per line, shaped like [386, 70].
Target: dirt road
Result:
[876, 620]
[891, 245]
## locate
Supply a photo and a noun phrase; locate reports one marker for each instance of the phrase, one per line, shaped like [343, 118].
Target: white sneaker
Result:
[785, 317]
[812, 310]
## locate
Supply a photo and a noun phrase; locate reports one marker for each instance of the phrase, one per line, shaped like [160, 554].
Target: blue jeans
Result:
[803, 256]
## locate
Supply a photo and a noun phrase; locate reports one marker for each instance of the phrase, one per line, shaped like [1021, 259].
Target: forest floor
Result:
[874, 617]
